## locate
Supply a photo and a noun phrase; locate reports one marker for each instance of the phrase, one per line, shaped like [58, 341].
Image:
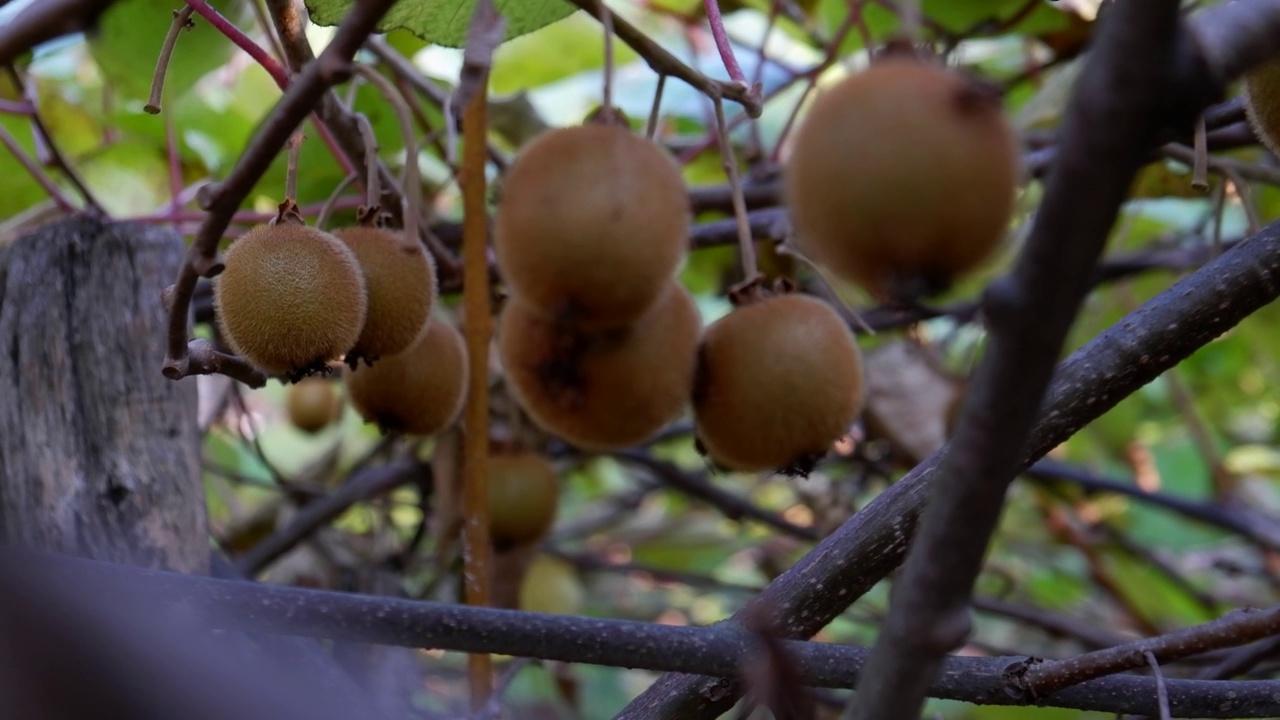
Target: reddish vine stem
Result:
[268, 63]
[722, 41]
[33, 169]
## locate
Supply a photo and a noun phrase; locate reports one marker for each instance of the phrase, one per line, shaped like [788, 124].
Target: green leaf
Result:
[555, 52]
[444, 22]
[131, 33]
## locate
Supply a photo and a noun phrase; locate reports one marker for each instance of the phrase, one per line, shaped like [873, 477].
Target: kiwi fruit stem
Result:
[412, 179]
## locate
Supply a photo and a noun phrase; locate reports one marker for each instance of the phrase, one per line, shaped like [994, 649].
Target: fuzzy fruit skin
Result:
[624, 387]
[902, 177]
[524, 495]
[779, 380]
[401, 284]
[416, 392]
[1262, 103]
[593, 224]
[312, 404]
[291, 297]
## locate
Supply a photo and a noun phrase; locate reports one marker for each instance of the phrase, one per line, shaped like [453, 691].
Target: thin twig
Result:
[412, 196]
[1234, 629]
[664, 63]
[723, 46]
[729, 160]
[181, 21]
[651, 128]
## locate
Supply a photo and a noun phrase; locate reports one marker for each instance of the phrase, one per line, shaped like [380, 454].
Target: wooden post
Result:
[99, 452]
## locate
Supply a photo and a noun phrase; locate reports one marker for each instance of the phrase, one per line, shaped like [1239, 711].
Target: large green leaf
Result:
[444, 22]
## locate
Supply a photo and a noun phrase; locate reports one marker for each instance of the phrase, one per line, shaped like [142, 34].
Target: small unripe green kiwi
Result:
[1262, 102]
[524, 494]
[606, 390]
[779, 380]
[551, 585]
[593, 224]
[313, 404]
[291, 298]
[400, 279]
[419, 391]
[902, 177]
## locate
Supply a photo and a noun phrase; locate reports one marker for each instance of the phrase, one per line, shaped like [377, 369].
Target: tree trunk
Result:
[99, 452]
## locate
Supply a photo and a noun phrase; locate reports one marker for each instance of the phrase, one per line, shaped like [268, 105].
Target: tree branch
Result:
[47, 20]
[718, 650]
[1232, 630]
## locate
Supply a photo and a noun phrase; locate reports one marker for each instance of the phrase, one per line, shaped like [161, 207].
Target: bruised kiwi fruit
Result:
[592, 225]
[1262, 102]
[902, 177]
[291, 298]
[313, 404]
[603, 390]
[400, 278]
[779, 380]
[419, 391]
[524, 494]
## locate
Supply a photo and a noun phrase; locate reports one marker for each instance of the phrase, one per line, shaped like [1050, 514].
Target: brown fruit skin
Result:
[902, 178]
[593, 224]
[313, 404]
[779, 380]
[401, 283]
[416, 392]
[1262, 103]
[291, 298]
[619, 390]
[524, 494]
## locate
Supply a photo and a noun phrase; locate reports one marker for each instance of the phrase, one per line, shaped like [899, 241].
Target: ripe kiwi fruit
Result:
[1262, 102]
[524, 494]
[400, 278]
[902, 177]
[592, 225]
[779, 380]
[292, 297]
[419, 391]
[312, 404]
[603, 390]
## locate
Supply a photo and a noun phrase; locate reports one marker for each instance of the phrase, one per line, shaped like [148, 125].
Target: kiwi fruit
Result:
[419, 391]
[291, 298]
[551, 585]
[604, 390]
[524, 494]
[592, 225]
[902, 177]
[779, 380]
[1262, 102]
[400, 278]
[312, 404]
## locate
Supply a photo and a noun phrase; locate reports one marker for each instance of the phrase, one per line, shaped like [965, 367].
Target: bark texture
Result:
[99, 453]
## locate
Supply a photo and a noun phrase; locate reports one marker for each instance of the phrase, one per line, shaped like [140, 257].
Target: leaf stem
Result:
[181, 20]
[722, 42]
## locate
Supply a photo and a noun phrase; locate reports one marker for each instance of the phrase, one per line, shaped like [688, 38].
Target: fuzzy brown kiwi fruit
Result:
[1262, 102]
[400, 278]
[902, 177]
[292, 297]
[779, 380]
[606, 390]
[419, 391]
[313, 404]
[524, 494]
[592, 225]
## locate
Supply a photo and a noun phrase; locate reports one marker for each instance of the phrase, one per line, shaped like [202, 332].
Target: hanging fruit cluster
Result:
[598, 338]
[294, 298]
